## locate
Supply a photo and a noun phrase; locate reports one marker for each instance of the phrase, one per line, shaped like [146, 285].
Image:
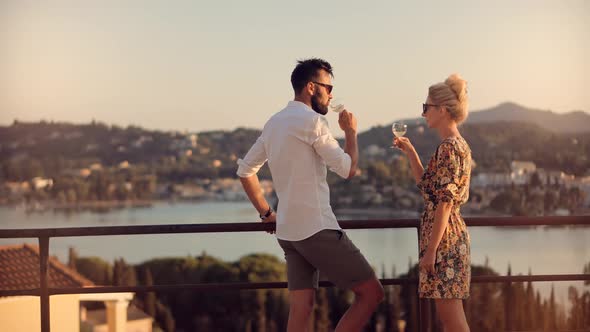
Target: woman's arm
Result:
[441, 220]
[448, 163]
[407, 148]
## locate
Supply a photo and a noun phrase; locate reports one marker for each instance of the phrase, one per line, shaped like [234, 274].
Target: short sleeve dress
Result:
[446, 179]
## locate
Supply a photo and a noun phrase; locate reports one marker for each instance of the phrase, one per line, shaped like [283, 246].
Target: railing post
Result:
[44, 284]
[425, 315]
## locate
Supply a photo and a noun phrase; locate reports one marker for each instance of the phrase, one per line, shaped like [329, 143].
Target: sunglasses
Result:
[425, 107]
[327, 86]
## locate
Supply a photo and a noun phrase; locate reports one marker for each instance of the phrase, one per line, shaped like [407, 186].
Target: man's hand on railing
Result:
[272, 218]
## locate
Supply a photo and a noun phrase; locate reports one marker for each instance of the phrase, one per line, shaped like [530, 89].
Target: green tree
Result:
[277, 310]
[72, 258]
[32, 168]
[149, 298]
[502, 202]
[550, 201]
[95, 269]
[539, 311]
[409, 296]
[484, 308]
[144, 187]
[321, 312]
[13, 171]
[165, 315]
[71, 196]
[379, 173]
[531, 314]
[576, 316]
[535, 181]
[124, 274]
[401, 173]
[551, 312]
[258, 268]
[508, 295]
[519, 308]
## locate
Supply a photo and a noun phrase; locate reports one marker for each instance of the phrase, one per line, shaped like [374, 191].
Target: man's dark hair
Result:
[306, 71]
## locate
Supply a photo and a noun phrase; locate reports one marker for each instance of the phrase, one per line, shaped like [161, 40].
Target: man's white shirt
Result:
[298, 146]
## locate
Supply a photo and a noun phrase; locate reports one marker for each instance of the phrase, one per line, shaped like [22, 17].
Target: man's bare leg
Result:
[368, 295]
[300, 308]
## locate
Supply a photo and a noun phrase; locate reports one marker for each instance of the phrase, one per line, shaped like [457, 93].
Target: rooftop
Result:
[19, 269]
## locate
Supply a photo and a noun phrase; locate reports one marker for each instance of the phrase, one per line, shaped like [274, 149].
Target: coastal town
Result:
[383, 188]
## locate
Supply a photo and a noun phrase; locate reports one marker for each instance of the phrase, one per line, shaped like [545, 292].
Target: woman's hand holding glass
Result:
[398, 129]
[403, 144]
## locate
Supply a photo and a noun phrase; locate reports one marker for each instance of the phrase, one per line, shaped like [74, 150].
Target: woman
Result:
[445, 269]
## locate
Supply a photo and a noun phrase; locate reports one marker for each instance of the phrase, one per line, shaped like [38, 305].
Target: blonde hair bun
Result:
[458, 85]
[452, 93]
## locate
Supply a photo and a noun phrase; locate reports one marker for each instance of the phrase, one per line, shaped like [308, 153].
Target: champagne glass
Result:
[398, 129]
[336, 105]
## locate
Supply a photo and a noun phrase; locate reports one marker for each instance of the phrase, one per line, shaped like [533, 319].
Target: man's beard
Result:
[316, 106]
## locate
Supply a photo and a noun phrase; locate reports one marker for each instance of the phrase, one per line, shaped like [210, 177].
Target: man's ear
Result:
[310, 88]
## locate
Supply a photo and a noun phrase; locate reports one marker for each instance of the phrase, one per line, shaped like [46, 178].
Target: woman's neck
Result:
[449, 130]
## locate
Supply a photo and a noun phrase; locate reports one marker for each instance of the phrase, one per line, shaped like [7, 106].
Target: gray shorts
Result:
[330, 252]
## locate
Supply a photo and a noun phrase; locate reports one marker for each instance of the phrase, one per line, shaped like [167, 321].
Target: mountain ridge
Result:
[576, 121]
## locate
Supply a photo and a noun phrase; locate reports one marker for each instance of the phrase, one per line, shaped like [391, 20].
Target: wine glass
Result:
[398, 129]
[336, 105]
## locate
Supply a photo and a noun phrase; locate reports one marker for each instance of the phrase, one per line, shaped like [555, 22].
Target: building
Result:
[98, 320]
[521, 171]
[19, 269]
[41, 183]
[491, 180]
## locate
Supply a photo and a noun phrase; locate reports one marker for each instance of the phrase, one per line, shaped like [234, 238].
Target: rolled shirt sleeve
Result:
[327, 147]
[254, 159]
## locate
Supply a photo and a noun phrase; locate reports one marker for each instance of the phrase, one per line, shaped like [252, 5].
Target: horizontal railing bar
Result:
[194, 287]
[135, 230]
[275, 285]
[585, 330]
[532, 278]
[529, 221]
[257, 226]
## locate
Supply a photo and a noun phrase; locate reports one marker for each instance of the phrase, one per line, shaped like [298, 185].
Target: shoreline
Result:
[101, 206]
[375, 212]
[369, 212]
[39, 207]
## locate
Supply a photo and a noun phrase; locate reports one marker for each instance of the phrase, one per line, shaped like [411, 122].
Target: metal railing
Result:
[424, 315]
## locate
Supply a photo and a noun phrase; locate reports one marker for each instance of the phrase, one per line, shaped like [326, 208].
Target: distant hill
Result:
[496, 144]
[572, 122]
[497, 136]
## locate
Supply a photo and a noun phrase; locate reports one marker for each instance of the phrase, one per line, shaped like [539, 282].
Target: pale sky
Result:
[205, 65]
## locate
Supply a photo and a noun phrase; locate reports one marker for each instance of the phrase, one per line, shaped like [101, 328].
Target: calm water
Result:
[544, 250]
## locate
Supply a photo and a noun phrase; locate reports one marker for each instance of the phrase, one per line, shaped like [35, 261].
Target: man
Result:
[298, 146]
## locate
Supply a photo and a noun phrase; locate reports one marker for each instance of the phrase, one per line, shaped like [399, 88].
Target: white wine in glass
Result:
[398, 129]
[336, 105]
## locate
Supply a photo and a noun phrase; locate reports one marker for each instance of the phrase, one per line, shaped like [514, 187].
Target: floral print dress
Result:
[446, 179]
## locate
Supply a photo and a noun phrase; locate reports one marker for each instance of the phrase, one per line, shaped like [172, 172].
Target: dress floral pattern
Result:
[446, 179]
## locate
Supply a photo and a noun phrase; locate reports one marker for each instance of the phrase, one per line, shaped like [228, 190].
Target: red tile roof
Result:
[19, 269]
